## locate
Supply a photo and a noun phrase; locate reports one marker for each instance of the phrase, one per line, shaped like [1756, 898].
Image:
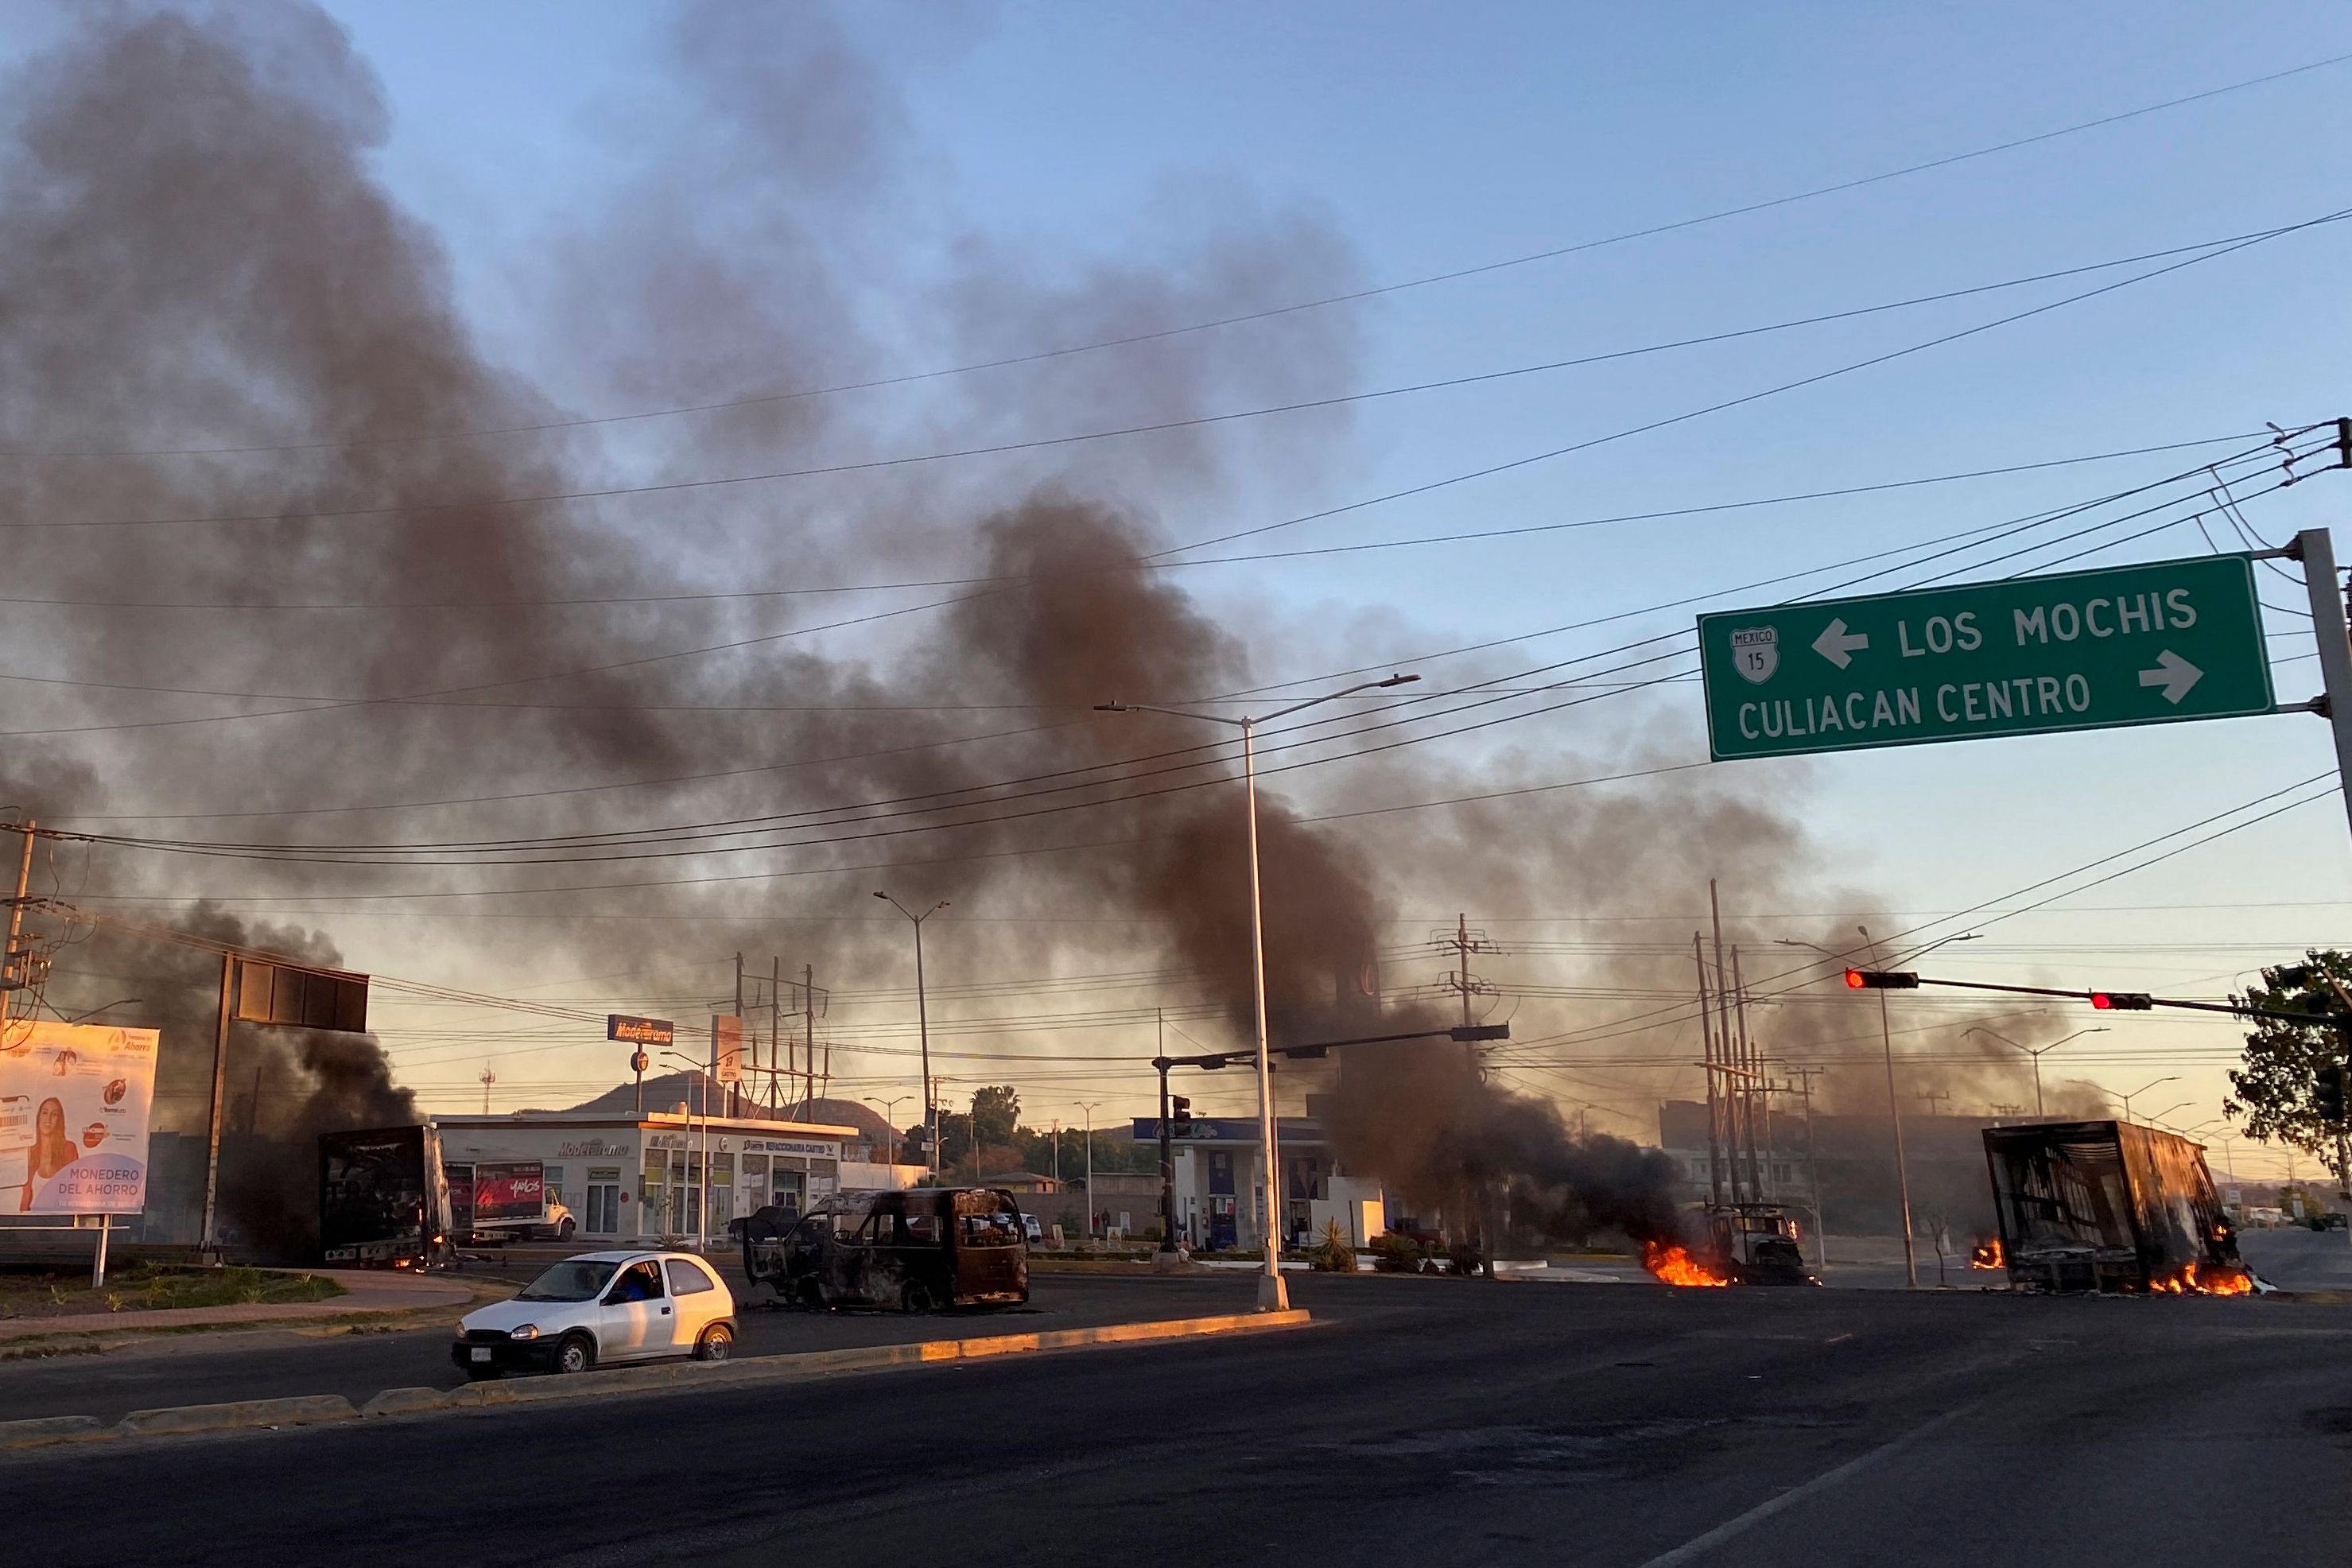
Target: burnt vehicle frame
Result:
[2106, 1207]
[921, 1249]
[1753, 1244]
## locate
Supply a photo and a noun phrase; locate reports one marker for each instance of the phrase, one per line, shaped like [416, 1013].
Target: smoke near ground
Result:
[500, 677]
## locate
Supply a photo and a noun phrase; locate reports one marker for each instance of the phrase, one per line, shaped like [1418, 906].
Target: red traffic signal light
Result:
[1881, 980]
[2121, 1001]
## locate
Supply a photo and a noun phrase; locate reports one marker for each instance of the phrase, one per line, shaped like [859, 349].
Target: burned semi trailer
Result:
[2110, 1206]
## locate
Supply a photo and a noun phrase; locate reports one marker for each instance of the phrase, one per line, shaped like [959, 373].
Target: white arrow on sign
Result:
[2174, 673]
[1838, 645]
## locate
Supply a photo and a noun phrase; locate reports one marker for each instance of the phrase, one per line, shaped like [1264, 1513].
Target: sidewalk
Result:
[365, 1291]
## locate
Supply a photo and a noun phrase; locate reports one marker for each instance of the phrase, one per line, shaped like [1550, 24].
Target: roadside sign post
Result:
[2317, 552]
[2149, 644]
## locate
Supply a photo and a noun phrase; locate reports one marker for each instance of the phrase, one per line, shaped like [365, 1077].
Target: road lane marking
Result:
[1689, 1551]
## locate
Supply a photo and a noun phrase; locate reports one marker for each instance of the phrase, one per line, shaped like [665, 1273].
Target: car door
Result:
[697, 1298]
[635, 1318]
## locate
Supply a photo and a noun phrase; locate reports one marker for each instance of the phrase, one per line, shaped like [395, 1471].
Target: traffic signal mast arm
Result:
[2105, 1001]
[1211, 1060]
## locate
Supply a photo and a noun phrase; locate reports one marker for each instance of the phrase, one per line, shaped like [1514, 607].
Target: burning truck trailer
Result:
[2111, 1207]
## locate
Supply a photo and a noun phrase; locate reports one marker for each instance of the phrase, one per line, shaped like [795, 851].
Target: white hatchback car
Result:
[601, 1307]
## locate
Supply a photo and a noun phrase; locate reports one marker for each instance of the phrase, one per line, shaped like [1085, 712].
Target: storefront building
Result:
[640, 1178]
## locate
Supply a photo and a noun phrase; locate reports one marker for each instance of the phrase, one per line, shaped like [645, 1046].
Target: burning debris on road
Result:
[1674, 1264]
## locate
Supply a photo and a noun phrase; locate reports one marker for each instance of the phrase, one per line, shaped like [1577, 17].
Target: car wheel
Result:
[914, 1298]
[717, 1343]
[564, 1232]
[576, 1353]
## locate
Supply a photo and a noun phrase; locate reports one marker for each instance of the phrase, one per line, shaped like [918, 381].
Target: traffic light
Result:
[1181, 1122]
[1881, 980]
[2121, 1001]
[2328, 1093]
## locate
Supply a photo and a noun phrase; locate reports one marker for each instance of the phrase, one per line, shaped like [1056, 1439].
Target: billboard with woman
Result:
[74, 1101]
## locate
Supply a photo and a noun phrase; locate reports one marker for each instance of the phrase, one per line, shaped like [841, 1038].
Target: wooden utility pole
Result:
[808, 1041]
[1714, 1103]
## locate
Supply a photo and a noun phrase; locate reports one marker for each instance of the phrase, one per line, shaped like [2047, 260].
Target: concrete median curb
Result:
[49, 1430]
[302, 1410]
[310, 1410]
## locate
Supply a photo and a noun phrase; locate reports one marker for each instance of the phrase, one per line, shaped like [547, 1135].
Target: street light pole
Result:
[1895, 1113]
[923, 1026]
[2035, 1052]
[1893, 1101]
[1272, 1295]
[890, 1115]
[2134, 1094]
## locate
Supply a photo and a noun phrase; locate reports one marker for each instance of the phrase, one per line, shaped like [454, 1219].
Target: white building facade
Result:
[669, 1177]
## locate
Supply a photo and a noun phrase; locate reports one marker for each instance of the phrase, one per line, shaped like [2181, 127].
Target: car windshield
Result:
[575, 1279]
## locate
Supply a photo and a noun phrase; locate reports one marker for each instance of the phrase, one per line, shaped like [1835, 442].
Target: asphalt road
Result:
[212, 1369]
[1428, 1421]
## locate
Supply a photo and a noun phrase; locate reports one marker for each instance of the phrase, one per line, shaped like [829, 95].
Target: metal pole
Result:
[1167, 1162]
[2037, 1112]
[1902, 1169]
[923, 1027]
[208, 1240]
[1088, 1107]
[1272, 1295]
[98, 1263]
[1813, 1177]
[2314, 548]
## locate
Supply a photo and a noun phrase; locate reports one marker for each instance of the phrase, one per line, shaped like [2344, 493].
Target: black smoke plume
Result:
[510, 731]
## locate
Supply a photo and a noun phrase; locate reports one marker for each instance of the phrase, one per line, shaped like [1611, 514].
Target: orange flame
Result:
[1986, 1255]
[1674, 1266]
[2202, 1280]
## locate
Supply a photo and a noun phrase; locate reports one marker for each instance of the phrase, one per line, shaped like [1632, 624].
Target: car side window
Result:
[638, 1282]
[686, 1278]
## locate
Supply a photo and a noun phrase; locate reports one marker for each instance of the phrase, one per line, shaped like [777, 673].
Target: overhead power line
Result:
[823, 470]
[1240, 317]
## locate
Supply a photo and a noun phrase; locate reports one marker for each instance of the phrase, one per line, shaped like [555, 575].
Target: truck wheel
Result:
[717, 1343]
[576, 1353]
[914, 1298]
[564, 1232]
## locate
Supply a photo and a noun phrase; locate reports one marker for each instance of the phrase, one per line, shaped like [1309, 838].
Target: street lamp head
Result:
[1113, 708]
[880, 894]
[1400, 680]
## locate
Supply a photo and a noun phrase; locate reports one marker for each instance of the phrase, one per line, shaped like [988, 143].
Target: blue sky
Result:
[1434, 138]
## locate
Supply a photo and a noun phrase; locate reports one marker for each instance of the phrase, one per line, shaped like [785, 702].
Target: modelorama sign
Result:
[74, 1102]
[2080, 650]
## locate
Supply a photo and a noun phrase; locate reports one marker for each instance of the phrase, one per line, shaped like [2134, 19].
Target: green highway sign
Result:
[2078, 650]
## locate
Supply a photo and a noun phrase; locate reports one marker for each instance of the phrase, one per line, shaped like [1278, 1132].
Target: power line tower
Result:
[488, 1078]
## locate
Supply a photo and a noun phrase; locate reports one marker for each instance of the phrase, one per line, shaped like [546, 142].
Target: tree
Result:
[996, 1111]
[2275, 1091]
